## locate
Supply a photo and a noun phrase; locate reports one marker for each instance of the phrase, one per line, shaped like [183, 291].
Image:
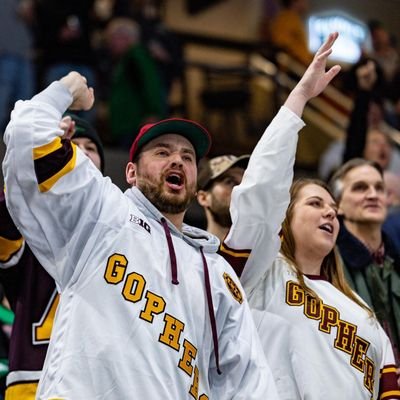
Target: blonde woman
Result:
[321, 340]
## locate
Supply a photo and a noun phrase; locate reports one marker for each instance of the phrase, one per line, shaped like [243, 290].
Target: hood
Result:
[196, 237]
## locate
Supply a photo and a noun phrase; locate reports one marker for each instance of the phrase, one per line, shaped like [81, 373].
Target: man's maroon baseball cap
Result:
[198, 136]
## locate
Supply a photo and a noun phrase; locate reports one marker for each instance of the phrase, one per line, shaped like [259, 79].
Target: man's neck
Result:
[219, 231]
[175, 219]
[370, 234]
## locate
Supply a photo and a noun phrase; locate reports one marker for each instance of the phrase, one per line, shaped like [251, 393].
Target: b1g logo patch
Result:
[233, 288]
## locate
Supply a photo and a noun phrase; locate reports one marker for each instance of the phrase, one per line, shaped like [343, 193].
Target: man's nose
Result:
[176, 159]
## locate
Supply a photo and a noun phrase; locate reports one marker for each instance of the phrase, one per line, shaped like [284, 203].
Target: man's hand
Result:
[83, 96]
[315, 79]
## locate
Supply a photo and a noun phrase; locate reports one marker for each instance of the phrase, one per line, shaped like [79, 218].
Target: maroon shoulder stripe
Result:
[52, 163]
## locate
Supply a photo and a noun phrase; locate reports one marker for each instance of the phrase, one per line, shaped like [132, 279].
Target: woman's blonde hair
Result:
[332, 266]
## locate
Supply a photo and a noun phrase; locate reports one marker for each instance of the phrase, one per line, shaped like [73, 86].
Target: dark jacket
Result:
[377, 284]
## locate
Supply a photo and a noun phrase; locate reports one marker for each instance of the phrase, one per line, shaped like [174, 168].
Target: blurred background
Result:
[228, 64]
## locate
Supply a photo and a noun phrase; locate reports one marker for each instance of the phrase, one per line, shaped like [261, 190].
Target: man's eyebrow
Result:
[188, 150]
[362, 181]
[169, 146]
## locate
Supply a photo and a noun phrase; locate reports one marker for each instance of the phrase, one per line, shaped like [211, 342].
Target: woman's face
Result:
[314, 221]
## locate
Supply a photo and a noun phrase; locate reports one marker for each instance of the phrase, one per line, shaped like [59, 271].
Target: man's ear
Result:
[130, 173]
[202, 198]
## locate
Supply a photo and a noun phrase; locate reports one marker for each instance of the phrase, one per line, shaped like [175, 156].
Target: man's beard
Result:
[220, 213]
[165, 202]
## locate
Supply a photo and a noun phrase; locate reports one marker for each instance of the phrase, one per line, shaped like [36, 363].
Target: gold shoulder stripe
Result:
[234, 253]
[47, 148]
[233, 288]
[49, 183]
[9, 247]
[390, 394]
[22, 390]
[388, 370]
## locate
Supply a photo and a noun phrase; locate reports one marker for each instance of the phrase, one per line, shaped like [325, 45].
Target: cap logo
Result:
[233, 288]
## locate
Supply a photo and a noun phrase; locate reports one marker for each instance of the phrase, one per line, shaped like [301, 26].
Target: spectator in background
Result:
[392, 182]
[215, 182]
[372, 261]
[64, 40]
[387, 59]
[30, 290]
[287, 31]
[368, 135]
[393, 95]
[392, 223]
[6, 322]
[164, 46]
[269, 10]
[136, 89]
[383, 50]
[17, 80]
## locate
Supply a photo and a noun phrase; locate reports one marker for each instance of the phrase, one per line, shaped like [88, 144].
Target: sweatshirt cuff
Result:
[57, 95]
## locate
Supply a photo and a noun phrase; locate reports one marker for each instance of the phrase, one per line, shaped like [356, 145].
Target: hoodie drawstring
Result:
[174, 273]
[211, 310]
[172, 256]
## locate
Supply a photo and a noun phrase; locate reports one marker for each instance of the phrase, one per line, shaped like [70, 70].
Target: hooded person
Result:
[30, 290]
[171, 309]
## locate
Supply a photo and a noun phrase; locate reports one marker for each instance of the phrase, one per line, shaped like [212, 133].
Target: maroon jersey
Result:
[33, 298]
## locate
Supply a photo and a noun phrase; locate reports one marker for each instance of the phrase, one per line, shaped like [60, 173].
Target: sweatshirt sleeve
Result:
[388, 388]
[259, 203]
[53, 191]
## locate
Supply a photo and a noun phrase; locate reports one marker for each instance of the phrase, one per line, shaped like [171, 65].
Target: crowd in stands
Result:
[132, 60]
[121, 47]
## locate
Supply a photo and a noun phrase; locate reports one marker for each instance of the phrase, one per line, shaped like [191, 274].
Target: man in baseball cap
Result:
[215, 182]
[192, 131]
[147, 280]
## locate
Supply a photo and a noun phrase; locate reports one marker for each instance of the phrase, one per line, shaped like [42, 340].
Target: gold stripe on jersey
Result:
[393, 394]
[388, 383]
[47, 148]
[68, 167]
[9, 247]
[234, 253]
[18, 391]
[387, 370]
[236, 258]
